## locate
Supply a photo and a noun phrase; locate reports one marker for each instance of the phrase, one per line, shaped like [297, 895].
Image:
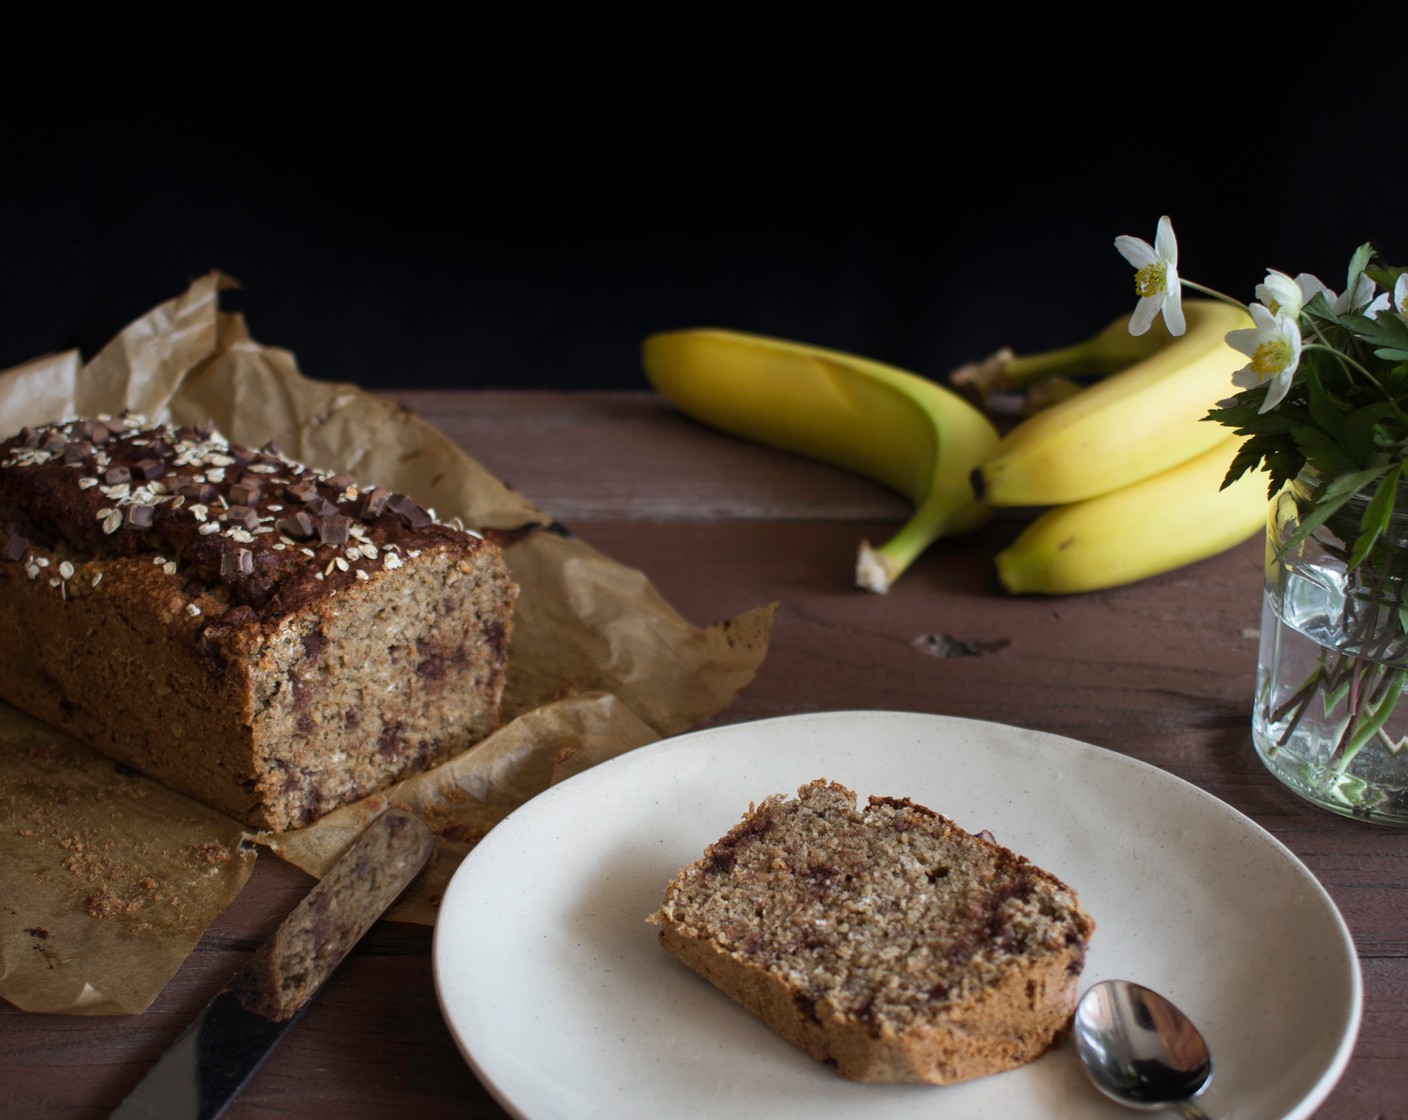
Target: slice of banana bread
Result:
[887, 942]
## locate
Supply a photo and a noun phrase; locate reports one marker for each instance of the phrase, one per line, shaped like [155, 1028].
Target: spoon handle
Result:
[1190, 1111]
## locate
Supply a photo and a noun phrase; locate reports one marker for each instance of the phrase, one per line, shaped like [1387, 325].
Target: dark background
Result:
[434, 210]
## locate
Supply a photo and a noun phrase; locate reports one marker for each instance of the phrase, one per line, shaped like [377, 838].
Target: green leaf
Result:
[1283, 466]
[1383, 276]
[1242, 407]
[1377, 513]
[1386, 330]
[1323, 453]
[1395, 381]
[1364, 428]
[1326, 414]
[1328, 501]
[1318, 307]
[1274, 424]
[1231, 415]
[1320, 511]
[1246, 459]
[1373, 434]
[1357, 264]
[1347, 485]
[1313, 370]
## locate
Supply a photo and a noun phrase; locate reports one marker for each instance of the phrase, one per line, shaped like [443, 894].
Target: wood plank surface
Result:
[1162, 671]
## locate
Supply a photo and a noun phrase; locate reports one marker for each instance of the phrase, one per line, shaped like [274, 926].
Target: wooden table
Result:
[1162, 671]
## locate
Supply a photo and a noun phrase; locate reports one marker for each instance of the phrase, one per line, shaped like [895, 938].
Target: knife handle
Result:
[286, 970]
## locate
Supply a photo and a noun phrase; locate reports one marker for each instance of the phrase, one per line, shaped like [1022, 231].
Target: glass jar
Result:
[1331, 720]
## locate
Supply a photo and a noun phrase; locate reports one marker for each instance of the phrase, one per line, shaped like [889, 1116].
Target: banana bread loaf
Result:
[269, 638]
[887, 942]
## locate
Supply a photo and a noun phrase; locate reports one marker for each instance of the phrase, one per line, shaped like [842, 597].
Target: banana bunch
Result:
[885, 423]
[1131, 470]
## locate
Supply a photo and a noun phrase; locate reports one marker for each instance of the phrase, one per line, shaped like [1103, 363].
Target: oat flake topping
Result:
[259, 527]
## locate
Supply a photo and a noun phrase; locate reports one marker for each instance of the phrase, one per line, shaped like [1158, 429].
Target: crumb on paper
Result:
[41, 945]
[212, 852]
[105, 904]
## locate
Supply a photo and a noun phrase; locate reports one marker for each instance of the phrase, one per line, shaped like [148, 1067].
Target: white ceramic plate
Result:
[564, 1004]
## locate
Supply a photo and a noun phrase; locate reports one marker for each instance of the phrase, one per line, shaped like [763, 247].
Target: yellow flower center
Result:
[1150, 280]
[1271, 357]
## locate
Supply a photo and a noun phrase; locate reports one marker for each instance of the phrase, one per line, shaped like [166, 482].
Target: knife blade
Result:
[220, 1050]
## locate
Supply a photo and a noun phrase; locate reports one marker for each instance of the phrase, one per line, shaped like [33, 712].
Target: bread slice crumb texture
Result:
[885, 940]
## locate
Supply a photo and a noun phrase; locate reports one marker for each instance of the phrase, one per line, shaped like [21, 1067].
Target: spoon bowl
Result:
[1140, 1050]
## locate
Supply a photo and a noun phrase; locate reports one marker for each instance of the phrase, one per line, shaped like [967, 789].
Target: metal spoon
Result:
[1140, 1050]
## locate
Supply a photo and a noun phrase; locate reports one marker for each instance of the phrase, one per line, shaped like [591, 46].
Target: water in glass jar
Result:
[1330, 719]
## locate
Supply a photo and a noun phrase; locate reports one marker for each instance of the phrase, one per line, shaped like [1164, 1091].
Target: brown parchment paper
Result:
[109, 879]
[599, 664]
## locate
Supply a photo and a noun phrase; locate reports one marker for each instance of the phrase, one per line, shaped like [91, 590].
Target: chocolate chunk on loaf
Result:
[272, 639]
[887, 941]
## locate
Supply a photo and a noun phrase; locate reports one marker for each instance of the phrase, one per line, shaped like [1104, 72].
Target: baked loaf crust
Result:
[887, 942]
[271, 639]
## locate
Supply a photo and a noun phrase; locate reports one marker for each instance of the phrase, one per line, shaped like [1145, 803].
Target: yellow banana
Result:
[1110, 351]
[895, 427]
[1149, 527]
[1130, 426]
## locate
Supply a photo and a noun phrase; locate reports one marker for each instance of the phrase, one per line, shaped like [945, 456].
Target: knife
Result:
[203, 1069]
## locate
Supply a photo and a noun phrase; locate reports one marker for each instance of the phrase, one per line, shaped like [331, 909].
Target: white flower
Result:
[1356, 299]
[1284, 296]
[1155, 278]
[1273, 346]
[1359, 299]
[1397, 303]
[1311, 286]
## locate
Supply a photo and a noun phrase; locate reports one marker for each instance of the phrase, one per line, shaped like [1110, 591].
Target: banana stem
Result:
[1005, 371]
[878, 568]
[1022, 369]
[1109, 351]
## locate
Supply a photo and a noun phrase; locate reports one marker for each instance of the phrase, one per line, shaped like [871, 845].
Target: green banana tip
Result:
[979, 483]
